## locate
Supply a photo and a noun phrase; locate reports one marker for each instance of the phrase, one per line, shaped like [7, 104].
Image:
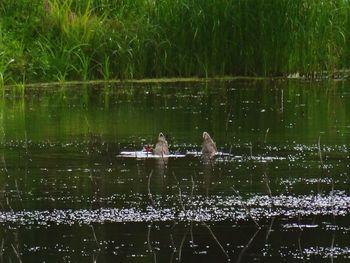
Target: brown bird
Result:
[161, 146]
[208, 147]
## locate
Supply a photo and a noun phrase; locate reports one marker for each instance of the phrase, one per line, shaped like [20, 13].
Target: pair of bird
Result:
[208, 146]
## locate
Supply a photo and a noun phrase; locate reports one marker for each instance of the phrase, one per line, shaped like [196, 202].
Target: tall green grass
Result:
[52, 40]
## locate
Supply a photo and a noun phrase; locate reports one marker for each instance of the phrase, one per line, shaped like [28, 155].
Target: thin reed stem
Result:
[320, 151]
[16, 253]
[247, 209]
[94, 235]
[180, 193]
[216, 240]
[149, 189]
[239, 259]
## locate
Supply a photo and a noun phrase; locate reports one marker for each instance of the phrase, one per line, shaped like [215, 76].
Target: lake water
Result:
[280, 193]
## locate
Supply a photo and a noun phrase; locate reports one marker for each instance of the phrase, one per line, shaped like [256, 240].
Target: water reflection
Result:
[208, 173]
[65, 194]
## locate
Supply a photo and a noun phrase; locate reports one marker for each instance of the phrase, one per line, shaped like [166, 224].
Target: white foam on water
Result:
[146, 155]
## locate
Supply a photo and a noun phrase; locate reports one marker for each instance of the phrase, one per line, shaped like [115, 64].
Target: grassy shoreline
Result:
[164, 81]
[141, 81]
[66, 40]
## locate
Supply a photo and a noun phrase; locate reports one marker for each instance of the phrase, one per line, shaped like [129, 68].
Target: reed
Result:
[106, 39]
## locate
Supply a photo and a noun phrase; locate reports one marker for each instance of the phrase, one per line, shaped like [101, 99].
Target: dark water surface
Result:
[282, 195]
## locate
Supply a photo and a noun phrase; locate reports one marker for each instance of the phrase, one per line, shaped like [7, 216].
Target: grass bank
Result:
[64, 40]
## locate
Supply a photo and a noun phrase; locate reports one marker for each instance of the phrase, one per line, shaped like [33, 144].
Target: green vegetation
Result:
[60, 40]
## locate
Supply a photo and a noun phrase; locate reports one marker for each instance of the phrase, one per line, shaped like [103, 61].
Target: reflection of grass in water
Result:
[126, 108]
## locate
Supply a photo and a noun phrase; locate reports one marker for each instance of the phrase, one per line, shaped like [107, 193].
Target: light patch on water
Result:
[325, 180]
[328, 252]
[307, 253]
[198, 209]
[317, 251]
[299, 226]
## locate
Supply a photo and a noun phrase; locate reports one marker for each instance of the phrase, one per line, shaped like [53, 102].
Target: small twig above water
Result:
[299, 246]
[269, 230]
[227, 121]
[229, 153]
[4, 164]
[251, 151]
[332, 195]
[18, 193]
[332, 247]
[267, 131]
[8, 203]
[16, 253]
[26, 141]
[282, 101]
[94, 235]
[247, 209]
[149, 189]
[149, 237]
[149, 243]
[319, 151]
[217, 241]
[193, 186]
[267, 183]
[172, 242]
[191, 233]
[181, 244]
[2, 248]
[246, 247]
[180, 194]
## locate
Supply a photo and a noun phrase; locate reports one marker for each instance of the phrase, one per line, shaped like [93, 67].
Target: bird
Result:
[208, 147]
[161, 146]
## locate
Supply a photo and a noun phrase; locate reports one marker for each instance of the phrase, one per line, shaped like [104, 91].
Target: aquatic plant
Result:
[105, 39]
[3, 66]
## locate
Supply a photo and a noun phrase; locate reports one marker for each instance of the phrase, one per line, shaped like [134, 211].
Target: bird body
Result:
[208, 147]
[162, 147]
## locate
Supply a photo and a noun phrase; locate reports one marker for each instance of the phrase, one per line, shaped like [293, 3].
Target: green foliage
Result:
[105, 39]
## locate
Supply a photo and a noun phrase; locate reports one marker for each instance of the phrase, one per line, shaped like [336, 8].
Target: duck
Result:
[209, 146]
[162, 147]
